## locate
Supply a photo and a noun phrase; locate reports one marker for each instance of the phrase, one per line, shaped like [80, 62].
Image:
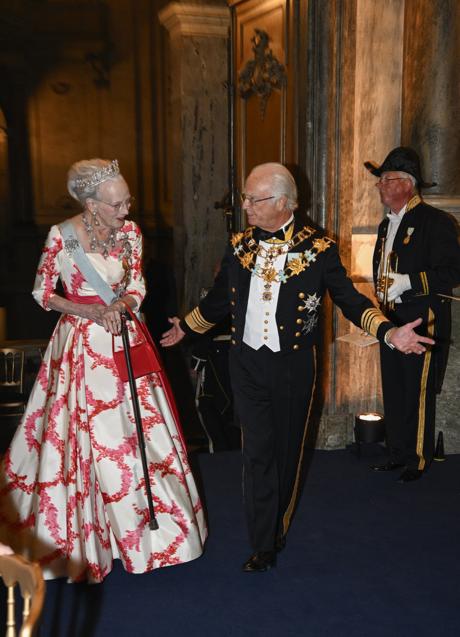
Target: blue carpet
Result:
[365, 557]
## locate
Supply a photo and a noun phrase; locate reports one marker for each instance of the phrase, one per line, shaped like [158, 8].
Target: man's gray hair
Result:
[409, 176]
[283, 184]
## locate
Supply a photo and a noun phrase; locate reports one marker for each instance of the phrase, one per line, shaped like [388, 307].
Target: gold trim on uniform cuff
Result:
[424, 281]
[371, 320]
[197, 322]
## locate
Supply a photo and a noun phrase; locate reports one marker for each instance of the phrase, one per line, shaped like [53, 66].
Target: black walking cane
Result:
[153, 524]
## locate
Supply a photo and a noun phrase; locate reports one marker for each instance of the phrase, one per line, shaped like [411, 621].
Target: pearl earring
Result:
[95, 219]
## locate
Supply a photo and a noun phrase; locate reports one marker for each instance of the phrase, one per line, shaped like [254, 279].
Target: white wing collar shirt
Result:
[260, 326]
[393, 227]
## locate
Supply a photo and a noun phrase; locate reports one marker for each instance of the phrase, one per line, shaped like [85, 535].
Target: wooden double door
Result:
[267, 37]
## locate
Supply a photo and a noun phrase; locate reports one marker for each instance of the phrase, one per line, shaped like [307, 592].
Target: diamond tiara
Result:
[83, 184]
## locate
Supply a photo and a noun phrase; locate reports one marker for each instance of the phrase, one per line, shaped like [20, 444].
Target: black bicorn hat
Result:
[402, 159]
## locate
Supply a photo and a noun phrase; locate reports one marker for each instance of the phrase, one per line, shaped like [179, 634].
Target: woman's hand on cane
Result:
[111, 318]
[93, 312]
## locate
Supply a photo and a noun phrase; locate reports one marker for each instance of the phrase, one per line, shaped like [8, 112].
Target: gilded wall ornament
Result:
[263, 74]
[101, 63]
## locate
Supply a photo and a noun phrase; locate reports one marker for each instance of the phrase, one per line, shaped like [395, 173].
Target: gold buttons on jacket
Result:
[233, 290]
[301, 295]
[298, 334]
[299, 321]
[233, 341]
[233, 329]
[232, 302]
[295, 346]
[300, 308]
[281, 327]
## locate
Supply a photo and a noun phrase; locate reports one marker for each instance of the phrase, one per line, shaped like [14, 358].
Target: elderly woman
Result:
[72, 489]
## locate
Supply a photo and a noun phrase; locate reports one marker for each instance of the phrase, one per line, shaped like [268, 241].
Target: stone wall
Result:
[376, 74]
[198, 137]
[447, 405]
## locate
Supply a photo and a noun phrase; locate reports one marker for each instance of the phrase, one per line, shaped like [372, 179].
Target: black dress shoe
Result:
[260, 562]
[409, 475]
[388, 466]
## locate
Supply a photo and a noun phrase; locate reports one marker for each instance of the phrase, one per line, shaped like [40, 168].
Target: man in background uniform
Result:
[420, 243]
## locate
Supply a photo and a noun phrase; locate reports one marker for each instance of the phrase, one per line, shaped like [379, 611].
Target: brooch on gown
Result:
[70, 245]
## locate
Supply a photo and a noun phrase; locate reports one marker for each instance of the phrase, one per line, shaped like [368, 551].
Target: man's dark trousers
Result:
[272, 394]
[409, 396]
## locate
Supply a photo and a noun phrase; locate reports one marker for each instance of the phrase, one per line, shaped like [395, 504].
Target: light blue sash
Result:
[93, 278]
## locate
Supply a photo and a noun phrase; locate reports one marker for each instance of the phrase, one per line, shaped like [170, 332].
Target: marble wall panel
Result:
[447, 405]
[371, 105]
[378, 91]
[431, 114]
[199, 141]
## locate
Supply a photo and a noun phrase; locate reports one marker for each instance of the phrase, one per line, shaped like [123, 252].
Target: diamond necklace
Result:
[96, 244]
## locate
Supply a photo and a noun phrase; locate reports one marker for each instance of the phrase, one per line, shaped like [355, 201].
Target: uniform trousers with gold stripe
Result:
[272, 396]
[409, 397]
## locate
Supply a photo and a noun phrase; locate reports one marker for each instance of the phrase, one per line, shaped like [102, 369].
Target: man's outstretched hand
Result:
[174, 335]
[406, 340]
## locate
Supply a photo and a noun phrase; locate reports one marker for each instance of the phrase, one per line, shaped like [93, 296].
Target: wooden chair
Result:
[14, 569]
[12, 400]
[12, 397]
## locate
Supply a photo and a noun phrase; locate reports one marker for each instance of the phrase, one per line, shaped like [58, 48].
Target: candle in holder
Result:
[369, 427]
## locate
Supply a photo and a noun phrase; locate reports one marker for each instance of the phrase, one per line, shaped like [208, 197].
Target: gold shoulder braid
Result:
[246, 249]
[413, 202]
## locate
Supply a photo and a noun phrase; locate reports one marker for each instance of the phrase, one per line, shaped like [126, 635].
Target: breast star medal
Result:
[268, 275]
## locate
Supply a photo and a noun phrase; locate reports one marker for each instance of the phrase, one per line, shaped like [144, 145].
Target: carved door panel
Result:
[265, 120]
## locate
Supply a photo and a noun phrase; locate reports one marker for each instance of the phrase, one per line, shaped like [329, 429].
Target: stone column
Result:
[430, 118]
[431, 124]
[364, 95]
[198, 102]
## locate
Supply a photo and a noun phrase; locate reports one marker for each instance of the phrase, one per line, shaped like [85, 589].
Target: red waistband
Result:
[84, 300]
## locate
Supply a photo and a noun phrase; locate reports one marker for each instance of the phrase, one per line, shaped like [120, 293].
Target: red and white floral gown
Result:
[71, 483]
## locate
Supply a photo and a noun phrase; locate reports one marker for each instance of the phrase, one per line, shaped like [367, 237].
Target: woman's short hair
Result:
[85, 176]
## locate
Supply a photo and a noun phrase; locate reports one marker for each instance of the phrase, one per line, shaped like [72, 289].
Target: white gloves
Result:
[401, 283]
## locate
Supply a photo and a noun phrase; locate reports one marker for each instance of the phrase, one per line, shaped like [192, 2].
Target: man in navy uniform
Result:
[272, 281]
[420, 243]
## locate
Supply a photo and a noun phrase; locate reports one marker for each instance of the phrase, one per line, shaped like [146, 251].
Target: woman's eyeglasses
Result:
[118, 206]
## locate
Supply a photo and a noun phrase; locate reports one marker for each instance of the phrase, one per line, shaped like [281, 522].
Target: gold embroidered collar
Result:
[246, 249]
